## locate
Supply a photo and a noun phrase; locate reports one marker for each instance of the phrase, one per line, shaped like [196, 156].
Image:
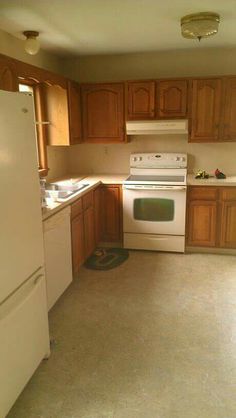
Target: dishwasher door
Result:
[58, 259]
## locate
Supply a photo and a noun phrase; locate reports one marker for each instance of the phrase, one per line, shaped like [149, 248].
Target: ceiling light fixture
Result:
[200, 25]
[32, 44]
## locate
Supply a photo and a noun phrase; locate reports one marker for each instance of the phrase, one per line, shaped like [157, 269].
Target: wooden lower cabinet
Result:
[95, 218]
[211, 217]
[202, 217]
[228, 225]
[77, 237]
[89, 230]
[82, 230]
[111, 213]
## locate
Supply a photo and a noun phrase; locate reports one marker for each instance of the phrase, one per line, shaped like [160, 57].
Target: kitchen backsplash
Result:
[90, 158]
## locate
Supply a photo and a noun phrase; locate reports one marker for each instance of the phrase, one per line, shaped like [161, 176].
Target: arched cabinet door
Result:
[172, 98]
[8, 75]
[141, 100]
[103, 113]
[206, 110]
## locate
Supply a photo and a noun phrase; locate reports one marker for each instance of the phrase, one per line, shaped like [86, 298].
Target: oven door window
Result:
[153, 209]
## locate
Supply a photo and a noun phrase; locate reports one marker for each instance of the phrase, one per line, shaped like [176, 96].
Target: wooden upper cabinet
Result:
[56, 109]
[103, 113]
[74, 112]
[141, 100]
[8, 75]
[172, 98]
[206, 106]
[228, 131]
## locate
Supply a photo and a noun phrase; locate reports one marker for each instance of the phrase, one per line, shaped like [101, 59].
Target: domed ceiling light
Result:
[200, 25]
[32, 44]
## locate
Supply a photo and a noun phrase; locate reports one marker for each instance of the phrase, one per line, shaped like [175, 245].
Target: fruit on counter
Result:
[201, 174]
[219, 174]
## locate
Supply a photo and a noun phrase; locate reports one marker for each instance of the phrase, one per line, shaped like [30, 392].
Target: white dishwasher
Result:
[58, 259]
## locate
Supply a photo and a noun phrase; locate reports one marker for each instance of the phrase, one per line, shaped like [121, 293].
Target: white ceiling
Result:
[85, 27]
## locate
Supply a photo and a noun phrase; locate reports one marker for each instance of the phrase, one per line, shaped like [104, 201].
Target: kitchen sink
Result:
[62, 192]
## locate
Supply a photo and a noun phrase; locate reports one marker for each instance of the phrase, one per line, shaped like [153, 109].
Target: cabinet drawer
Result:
[228, 193]
[87, 200]
[203, 193]
[76, 208]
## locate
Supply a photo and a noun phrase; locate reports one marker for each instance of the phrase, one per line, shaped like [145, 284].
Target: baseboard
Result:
[209, 250]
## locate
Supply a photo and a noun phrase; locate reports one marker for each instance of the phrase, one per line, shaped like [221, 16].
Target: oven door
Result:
[154, 210]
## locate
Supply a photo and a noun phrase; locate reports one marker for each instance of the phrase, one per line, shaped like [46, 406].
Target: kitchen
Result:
[74, 119]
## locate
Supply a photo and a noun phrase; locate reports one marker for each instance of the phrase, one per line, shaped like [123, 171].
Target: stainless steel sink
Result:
[60, 193]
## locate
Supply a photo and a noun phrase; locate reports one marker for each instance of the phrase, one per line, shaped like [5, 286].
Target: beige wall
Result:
[189, 62]
[10, 45]
[115, 158]
[89, 158]
[13, 47]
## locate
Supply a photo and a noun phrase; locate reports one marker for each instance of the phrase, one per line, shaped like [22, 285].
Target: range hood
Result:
[157, 127]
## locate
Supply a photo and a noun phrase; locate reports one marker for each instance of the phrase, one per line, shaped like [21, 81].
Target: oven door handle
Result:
[127, 187]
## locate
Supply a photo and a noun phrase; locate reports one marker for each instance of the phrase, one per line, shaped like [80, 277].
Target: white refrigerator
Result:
[24, 335]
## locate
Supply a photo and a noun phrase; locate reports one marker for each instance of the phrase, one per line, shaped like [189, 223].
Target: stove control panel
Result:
[158, 160]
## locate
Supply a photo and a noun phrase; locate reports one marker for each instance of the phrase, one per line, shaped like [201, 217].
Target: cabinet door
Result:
[202, 223]
[229, 111]
[103, 113]
[89, 235]
[74, 112]
[77, 237]
[206, 102]
[97, 214]
[111, 214]
[141, 100]
[172, 98]
[8, 75]
[228, 217]
[56, 102]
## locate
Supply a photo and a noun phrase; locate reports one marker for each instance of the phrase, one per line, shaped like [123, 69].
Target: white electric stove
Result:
[154, 202]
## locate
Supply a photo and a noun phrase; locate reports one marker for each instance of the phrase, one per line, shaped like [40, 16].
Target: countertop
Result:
[212, 181]
[92, 180]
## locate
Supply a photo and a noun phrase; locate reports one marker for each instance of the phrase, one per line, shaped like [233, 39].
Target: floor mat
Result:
[106, 258]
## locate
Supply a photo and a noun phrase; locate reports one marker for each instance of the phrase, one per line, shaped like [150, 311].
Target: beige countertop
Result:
[92, 180]
[212, 181]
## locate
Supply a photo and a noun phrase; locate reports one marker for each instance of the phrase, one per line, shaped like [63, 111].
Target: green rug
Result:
[106, 258]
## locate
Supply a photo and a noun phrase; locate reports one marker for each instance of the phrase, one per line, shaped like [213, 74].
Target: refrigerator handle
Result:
[20, 296]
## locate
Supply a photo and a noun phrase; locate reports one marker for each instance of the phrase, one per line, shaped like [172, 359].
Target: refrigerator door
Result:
[24, 338]
[21, 244]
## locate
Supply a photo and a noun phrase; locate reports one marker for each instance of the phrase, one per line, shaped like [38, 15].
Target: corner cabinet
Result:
[141, 100]
[111, 213]
[108, 213]
[8, 75]
[211, 216]
[82, 230]
[206, 109]
[103, 113]
[172, 97]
